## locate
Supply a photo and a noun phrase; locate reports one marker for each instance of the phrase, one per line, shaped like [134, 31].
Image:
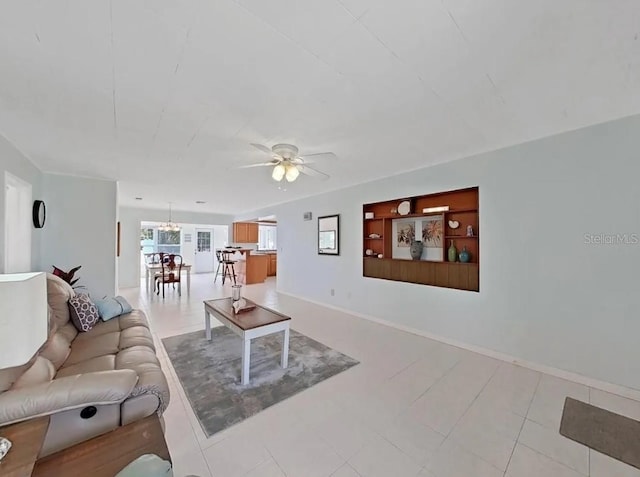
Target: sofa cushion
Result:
[56, 349]
[58, 294]
[135, 318]
[68, 332]
[42, 371]
[8, 376]
[113, 306]
[102, 328]
[136, 336]
[151, 379]
[84, 313]
[101, 363]
[84, 348]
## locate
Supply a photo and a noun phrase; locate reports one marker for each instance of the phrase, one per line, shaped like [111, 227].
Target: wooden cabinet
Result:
[27, 438]
[107, 454]
[386, 245]
[245, 232]
[273, 264]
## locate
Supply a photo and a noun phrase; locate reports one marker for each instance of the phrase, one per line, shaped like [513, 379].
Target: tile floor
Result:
[412, 407]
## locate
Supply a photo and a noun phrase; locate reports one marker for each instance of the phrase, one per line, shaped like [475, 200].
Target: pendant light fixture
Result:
[169, 226]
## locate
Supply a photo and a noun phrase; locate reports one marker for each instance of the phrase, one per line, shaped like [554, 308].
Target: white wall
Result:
[17, 164]
[81, 230]
[546, 295]
[130, 218]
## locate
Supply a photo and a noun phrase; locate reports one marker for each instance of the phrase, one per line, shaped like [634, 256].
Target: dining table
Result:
[152, 268]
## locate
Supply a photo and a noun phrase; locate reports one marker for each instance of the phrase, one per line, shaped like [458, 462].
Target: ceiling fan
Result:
[287, 164]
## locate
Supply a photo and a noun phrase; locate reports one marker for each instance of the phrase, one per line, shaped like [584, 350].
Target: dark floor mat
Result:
[605, 431]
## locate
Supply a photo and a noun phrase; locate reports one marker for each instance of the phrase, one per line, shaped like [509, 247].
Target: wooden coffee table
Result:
[250, 324]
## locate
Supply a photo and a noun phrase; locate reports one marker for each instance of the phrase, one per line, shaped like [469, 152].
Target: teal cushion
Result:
[111, 307]
[147, 465]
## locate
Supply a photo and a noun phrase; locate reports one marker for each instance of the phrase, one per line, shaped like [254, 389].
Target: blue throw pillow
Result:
[111, 307]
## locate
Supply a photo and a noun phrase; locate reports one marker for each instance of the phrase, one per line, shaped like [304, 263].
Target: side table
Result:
[27, 438]
[107, 454]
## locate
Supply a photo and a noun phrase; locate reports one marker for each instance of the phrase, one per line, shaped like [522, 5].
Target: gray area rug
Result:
[605, 431]
[210, 372]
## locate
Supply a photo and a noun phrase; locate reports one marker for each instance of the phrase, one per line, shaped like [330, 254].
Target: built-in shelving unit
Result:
[387, 259]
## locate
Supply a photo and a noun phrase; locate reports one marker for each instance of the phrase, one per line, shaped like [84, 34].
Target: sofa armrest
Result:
[70, 392]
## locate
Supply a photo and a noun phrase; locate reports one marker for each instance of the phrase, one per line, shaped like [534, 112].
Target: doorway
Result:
[17, 224]
[203, 260]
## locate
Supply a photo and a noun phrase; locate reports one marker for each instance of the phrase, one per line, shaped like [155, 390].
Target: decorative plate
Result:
[404, 207]
[374, 236]
[454, 224]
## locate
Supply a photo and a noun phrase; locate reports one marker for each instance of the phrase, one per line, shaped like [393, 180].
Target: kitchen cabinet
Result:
[245, 232]
[273, 264]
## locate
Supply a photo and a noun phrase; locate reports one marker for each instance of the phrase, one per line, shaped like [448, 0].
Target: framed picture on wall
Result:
[329, 235]
[428, 230]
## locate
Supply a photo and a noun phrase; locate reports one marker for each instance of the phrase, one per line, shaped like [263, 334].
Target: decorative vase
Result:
[453, 252]
[464, 256]
[236, 292]
[416, 249]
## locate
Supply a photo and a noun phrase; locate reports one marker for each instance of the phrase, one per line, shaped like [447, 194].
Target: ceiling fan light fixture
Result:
[292, 173]
[278, 172]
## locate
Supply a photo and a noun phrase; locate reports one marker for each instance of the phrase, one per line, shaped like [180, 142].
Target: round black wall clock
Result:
[39, 214]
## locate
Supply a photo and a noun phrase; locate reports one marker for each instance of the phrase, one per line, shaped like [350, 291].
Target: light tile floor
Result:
[412, 407]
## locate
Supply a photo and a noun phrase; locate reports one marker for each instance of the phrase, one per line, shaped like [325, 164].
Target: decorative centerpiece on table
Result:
[239, 304]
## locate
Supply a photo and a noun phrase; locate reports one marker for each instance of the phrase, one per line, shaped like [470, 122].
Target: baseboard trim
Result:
[542, 368]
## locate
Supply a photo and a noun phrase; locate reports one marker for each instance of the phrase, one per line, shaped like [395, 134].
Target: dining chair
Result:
[171, 273]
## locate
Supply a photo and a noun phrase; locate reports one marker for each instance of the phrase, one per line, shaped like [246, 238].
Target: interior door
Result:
[204, 251]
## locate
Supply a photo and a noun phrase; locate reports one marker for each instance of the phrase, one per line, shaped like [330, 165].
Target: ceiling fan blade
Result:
[259, 164]
[310, 171]
[264, 149]
[319, 155]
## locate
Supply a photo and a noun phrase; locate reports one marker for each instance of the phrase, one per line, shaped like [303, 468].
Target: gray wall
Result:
[130, 218]
[548, 293]
[14, 162]
[81, 230]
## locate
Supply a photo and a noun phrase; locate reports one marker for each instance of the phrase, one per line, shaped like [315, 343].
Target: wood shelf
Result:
[373, 238]
[418, 215]
[419, 261]
[463, 205]
[456, 237]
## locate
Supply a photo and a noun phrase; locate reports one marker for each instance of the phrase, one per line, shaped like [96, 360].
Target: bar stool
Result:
[220, 264]
[228, 269]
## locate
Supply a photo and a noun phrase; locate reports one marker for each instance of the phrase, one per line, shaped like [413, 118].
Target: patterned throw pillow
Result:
[84, 314]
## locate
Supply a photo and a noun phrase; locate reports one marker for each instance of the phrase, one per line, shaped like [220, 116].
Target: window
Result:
[168, 241]
[267, 235]
[146, 234]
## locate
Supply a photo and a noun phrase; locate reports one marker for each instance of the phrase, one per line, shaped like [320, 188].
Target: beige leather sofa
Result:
[88, 383]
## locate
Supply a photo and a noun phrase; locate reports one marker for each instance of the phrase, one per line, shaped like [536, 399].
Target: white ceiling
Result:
[166, 96]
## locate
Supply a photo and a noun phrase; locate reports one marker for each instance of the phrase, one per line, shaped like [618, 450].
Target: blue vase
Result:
[464, 256]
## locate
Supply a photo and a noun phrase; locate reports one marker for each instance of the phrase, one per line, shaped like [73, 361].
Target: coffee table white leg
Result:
[188, 281]
[207, 325]
[284, 359]
[246, 358]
